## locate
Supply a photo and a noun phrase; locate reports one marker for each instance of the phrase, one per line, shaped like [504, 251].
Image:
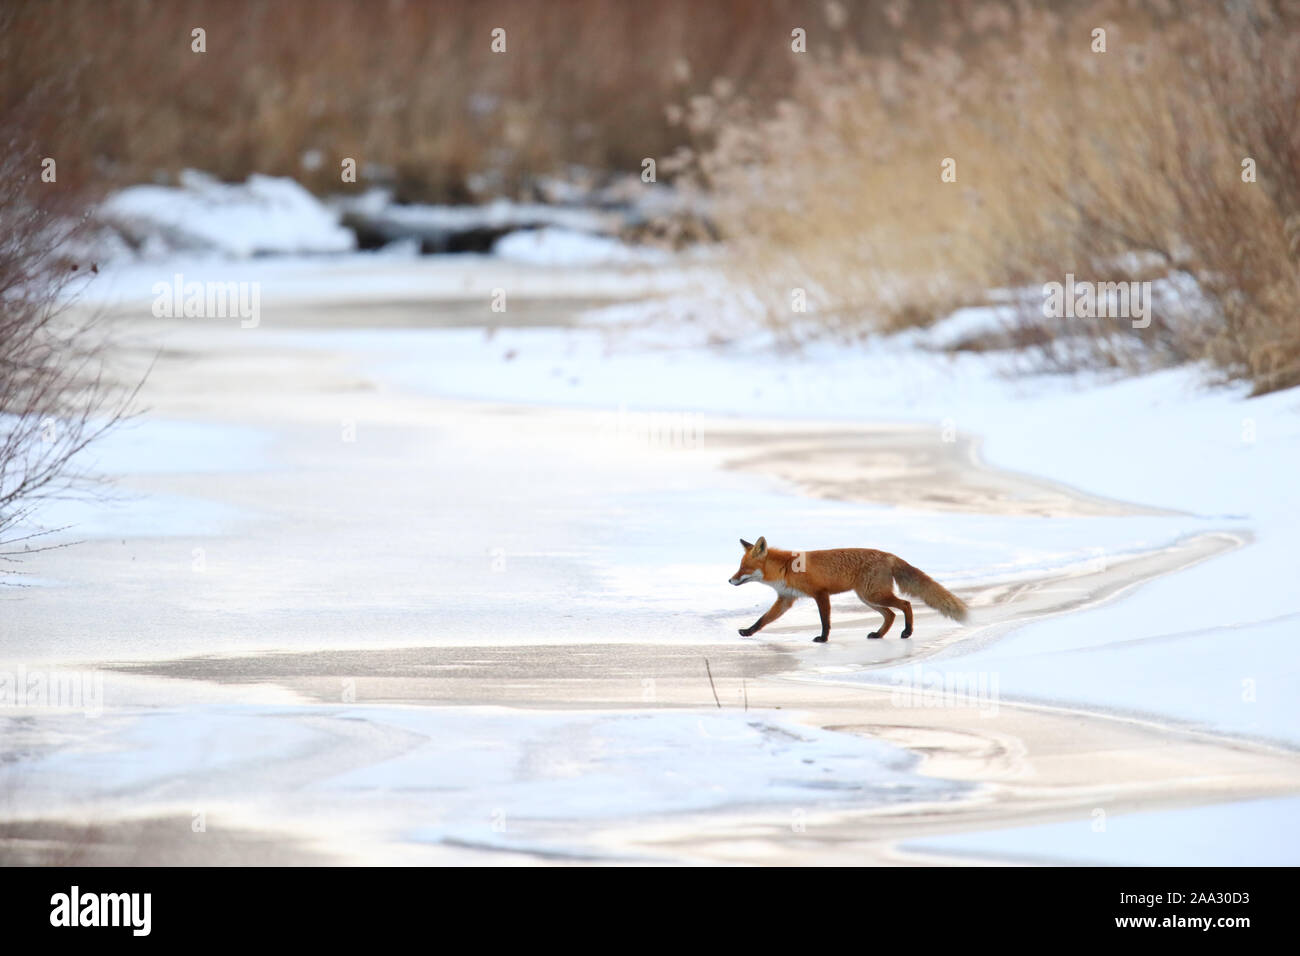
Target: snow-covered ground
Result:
[611, 537]
[1249, 833]
[1213, 646]
[479, 778]
[381, 277]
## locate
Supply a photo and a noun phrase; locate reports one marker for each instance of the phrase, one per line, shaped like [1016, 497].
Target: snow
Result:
[1212, 646]
[551, 246]
[386, 275]
[276, 216]
[264, 215]
[1246, 833]
[965, 324]
[148, 446]
[490, 776]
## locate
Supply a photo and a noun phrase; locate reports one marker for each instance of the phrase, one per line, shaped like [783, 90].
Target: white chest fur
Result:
[783, 589]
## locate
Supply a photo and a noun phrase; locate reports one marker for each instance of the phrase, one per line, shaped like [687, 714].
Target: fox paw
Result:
[820, 639]
[746, 631]
[906, 634]
[873, 635]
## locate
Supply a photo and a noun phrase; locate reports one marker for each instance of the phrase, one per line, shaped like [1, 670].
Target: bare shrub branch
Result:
[55, 394]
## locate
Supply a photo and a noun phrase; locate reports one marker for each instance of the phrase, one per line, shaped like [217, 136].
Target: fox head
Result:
[751, 563]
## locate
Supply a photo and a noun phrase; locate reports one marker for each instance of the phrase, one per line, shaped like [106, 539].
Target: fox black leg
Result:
[905, 607]
[888, 615]
[824, 609]
[782, 605]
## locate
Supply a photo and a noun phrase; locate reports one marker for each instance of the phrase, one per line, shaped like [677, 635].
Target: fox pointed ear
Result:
[746, 544]
[760, 546]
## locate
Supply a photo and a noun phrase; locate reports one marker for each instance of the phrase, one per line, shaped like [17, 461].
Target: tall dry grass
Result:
[411, 89]
[1067, 160]
[822, 169]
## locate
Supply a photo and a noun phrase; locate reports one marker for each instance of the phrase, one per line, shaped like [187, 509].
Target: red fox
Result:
[819, 574]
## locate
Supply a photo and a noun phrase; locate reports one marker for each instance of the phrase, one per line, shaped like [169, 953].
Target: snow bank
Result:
[273, 216]
[553, 246]
[262, 216]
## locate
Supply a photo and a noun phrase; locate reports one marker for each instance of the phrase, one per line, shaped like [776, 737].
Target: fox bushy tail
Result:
[915, 582]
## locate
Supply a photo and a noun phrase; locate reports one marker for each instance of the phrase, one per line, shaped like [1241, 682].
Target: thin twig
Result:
[711, 687]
